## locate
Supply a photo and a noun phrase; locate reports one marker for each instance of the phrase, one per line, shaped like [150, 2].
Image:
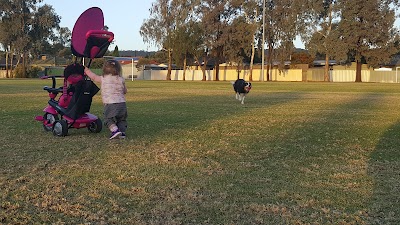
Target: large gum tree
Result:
[320, 24]
[158, 30]
[366, 32]
[27, 25]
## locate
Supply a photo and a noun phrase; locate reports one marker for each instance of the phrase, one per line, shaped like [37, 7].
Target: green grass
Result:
[295, 153]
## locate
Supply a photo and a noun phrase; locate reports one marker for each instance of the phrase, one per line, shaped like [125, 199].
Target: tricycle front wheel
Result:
[48, 121]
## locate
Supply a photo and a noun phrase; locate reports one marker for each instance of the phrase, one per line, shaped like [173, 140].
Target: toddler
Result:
[113, 92]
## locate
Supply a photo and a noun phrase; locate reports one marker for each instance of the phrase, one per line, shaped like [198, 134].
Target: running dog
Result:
[241, 88]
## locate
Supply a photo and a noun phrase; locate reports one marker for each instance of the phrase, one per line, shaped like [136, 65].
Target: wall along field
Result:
[294, 153]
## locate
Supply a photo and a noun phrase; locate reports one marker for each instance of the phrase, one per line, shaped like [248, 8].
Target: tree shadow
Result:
[300, 170]
[384, 168]
[150, 118]
[310, 169]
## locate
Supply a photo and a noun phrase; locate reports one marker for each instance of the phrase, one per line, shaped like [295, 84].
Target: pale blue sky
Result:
[123, 17]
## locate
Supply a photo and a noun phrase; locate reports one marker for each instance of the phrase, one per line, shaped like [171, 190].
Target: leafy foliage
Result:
[116, 51]
[211, 32]
[29, 29]
[360, 31]
[301, 58]
[30, 71]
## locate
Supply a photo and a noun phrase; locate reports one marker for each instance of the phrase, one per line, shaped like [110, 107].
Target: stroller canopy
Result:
[89, 39]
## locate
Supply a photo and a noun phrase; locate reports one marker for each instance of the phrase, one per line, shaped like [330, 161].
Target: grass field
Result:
[295, 153]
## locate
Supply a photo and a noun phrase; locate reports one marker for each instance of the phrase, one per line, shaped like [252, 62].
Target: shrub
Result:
[31, 71]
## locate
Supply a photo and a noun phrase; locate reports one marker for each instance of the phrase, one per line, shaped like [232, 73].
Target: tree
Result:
[239, 42]
[26, 27]
[194, 43]
[366, 32]
[116, 51]
[281, 27]
[186, 36]
[42, 29]
[252, 14]
[6, 36]
[158, 29]
[319, 34]
[216, 17]
[63, 36]
[62, 43]
[183, 38]
[301, 58]
[143, 62]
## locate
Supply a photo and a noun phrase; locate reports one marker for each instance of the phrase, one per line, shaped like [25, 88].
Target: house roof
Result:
[3, 62]
[394, 61]
[124, 60]
[322, 62]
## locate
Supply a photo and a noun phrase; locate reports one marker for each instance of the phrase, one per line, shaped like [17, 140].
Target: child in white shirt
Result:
[113, 92]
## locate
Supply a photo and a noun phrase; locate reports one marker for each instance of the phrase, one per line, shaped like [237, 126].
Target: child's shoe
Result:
[123, 135]
[115, 134]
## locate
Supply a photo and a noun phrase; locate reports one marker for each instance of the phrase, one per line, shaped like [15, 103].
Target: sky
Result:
[123, 17]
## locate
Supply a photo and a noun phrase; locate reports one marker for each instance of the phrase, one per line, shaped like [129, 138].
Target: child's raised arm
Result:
[93, 76]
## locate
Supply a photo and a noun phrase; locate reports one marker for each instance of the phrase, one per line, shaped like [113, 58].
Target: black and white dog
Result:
[241, 88]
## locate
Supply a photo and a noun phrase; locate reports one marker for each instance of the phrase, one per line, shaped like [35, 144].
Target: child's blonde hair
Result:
[112, 67]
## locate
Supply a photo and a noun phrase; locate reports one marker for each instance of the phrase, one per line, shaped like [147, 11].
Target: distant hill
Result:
[135, 53]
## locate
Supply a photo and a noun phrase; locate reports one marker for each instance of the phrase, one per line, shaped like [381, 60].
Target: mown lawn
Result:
[295, 153]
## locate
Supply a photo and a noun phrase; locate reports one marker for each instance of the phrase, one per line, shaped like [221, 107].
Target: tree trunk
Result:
[216, 71]
[12, 65]
[251, 62]
[238, 70]
[268, 68]
[217, 62]
[203, 68]
[184, 69]
[169, 64]
[7, 76]
[24, 65]
[269, 60]
[358, 71]
[326, 74]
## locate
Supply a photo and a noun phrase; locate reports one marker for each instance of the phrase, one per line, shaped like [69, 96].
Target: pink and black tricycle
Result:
[71, 109]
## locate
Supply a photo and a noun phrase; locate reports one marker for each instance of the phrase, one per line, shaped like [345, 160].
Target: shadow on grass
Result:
[150, 118]
[310, 171]
[42, 175]
[285, 158]
[384, 167]
[279, 169]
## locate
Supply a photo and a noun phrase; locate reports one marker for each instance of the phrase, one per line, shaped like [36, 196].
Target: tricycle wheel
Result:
[48, 121]
[95, 126]
[60, 128]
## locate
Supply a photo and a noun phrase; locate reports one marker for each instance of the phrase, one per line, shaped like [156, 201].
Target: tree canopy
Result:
[366, 32]
[352, 31]
[215, 31]
[28, 28]
[359, 31]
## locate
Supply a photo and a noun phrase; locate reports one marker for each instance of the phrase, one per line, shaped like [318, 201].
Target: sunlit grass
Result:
[295, 153]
